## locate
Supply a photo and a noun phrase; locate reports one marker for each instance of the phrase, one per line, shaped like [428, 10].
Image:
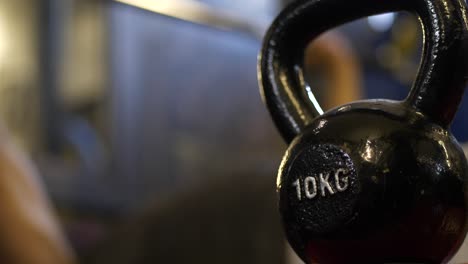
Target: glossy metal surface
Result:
[404, 196]
[439, 85]
[375, 181]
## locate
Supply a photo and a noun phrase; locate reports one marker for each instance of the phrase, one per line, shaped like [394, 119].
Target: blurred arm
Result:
[29, 231]
[334, 57]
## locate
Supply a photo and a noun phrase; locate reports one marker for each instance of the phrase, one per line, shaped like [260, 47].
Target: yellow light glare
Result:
[199, 13]
[187, 10]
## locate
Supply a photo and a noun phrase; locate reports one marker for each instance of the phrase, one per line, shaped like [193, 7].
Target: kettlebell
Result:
[373, 181]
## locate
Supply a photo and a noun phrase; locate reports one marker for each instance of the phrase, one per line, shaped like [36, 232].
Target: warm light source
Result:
[197, 12]
[187, 10]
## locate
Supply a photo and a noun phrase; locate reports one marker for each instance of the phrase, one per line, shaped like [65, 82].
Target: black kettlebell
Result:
[374, 181]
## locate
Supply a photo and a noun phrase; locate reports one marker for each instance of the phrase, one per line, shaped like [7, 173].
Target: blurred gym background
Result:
[138, 112]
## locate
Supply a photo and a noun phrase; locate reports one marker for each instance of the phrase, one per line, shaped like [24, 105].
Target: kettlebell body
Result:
[374, 181]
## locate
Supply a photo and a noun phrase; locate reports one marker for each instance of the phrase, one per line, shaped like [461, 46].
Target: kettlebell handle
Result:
[440, 82]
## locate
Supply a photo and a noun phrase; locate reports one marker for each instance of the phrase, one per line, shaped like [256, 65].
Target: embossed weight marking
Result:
[374, 181]
[310, 184]
[321, 178]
